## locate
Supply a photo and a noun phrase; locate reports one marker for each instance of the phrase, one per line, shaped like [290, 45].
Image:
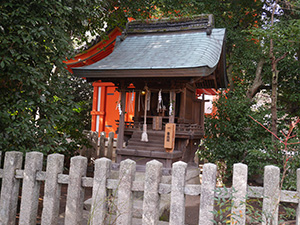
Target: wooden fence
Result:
[32, 175]
[100, 146]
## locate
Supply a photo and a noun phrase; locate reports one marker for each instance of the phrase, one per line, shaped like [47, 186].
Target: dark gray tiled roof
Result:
[171, 50]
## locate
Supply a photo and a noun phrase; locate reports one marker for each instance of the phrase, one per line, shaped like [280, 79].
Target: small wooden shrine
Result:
[163, 62]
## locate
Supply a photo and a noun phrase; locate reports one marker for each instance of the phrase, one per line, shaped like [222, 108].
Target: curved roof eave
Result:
[132, 73]
[187, 54]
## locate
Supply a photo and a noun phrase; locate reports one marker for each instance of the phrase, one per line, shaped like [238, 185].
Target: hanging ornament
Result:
[171, 109]
[159, 105]
[118, 106]
[120, 109]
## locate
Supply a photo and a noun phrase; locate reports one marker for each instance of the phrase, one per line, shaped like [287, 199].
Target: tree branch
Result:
[257, 83]
[281, 57]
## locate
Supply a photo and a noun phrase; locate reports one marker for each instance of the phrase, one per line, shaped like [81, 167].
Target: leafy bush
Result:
[232, 136]
[40, 110]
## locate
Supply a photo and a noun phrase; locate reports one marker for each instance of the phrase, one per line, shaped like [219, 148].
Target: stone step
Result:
[144, 145]
[110, 220]
[150, 154]
[150, 140]
[137, 206]
[147, 148]
[138, 134]
[150, 137]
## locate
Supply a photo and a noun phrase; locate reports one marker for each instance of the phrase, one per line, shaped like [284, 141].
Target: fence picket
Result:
[52, 191]
[102, 145]
[177, 208]
[30, 188]
[124, 205]
[10, 188]
[239, 187]
[271, 195]
[99, 201]
[101, 183]
[74, 205]
[151, 196]
[110, 145]
[207, 194]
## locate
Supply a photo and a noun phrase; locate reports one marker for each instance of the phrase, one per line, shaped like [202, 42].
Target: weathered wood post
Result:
[110, 145]
[177, 208]
[30, 188]
[151, 195]
[125, 197]
[10, 188]
[74, 205]
[55, 165]
[99, 198]
[207, 194]
[102, 145]
[239, 188]
[271, 195]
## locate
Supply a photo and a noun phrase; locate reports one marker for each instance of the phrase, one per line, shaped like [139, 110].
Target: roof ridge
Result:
[197, 22]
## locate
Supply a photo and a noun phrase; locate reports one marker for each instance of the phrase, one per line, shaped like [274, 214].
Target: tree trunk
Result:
[257, 83]
[274, 118]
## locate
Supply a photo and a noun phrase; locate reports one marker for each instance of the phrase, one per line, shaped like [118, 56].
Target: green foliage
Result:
[161, 8]
[290, 214]
[224, 203]
[38, 99]
[289, 85]
[233, 136]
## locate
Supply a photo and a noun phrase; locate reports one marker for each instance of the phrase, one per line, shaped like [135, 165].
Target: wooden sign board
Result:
[157, 123]
[170, 137]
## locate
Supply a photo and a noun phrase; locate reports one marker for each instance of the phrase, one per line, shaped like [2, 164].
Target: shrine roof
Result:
[165, 49]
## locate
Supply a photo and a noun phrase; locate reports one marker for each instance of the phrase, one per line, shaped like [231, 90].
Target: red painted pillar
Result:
[99, 105]
[94, 109]
[102, 113]
[99, 101]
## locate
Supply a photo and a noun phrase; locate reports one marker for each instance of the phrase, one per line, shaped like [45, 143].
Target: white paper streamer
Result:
[120, 109]
[171, 109]
[159, 105]
[118, 106]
